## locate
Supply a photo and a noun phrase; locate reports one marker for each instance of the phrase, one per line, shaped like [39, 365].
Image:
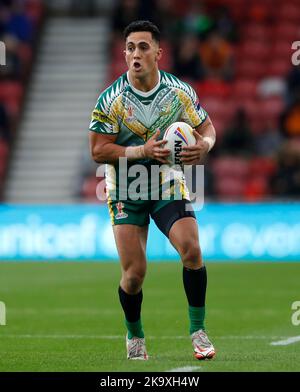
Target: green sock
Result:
[135, 329]
[197, 316]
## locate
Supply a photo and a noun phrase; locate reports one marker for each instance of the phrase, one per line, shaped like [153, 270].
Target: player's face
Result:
[142, 53]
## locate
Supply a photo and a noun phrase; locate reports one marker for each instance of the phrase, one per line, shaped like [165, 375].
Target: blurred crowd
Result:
[237, 56]
[19, 21]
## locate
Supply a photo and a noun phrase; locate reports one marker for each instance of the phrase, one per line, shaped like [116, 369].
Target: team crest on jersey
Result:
[121, 214]
[129, 114]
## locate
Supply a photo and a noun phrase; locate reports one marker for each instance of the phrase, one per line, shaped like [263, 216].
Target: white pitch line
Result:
[285, 342]
[112, 337]
[185, 369]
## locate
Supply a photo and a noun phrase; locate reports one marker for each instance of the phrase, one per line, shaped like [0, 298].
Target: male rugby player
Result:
[129, 121]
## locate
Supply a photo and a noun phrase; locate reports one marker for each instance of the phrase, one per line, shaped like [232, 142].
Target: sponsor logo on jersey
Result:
[121, 214]
[101, 117]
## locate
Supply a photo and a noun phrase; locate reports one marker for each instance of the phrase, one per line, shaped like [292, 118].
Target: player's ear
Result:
[159, 54]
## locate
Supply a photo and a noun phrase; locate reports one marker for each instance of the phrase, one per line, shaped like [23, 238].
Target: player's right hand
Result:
[154, 149]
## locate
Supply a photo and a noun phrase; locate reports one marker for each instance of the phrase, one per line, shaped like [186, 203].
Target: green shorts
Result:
[136, 212]
[163, 212]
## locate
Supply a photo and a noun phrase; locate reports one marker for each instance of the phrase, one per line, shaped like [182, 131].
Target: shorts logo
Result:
[121, 214]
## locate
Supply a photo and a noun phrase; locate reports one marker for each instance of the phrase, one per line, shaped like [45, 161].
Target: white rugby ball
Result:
[178, 135]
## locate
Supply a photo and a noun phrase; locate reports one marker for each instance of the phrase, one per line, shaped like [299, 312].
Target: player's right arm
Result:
[104, 149]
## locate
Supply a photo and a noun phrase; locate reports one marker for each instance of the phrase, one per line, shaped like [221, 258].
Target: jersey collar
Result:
[143, 93]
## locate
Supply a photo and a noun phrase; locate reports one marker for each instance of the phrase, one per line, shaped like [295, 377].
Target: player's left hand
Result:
[193, 155]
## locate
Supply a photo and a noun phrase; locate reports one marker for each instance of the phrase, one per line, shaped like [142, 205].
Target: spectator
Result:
[187, 63]
[197, 21]
[291, 119]
[269, 140]
[225, 25]
[293, 84]
[19, 24]
[217, 57]
[286, 181]
[238, 138]
[125, 12]
[12, 69]
[4, 125]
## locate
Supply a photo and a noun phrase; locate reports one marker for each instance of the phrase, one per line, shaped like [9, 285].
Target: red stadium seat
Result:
[271, 108]
[230, 189]
[258, 50]
[287, 31]
[3, 157]
[256, 189]
[282, 49]
[212, 88]
[279, 67]
[288, 11]
[229, 166]
[256, 32]
[264, 166]
[11, 94]
[35, 10]
[244, 88]
[250, 69]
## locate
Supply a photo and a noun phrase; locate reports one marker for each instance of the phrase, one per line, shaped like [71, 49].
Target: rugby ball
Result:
[178, 135]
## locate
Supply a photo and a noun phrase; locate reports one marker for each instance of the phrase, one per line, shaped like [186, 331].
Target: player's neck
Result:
[145, 84]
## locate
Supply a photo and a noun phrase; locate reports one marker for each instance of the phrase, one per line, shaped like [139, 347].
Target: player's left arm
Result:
[205, 135]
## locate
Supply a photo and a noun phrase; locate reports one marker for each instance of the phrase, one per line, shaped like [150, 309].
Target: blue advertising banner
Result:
[228, 232]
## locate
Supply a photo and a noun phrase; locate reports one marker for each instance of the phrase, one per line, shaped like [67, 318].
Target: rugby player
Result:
[129, 121]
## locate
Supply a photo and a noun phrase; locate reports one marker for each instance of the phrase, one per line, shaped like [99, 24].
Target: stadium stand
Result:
[20, 22]
[254, 74]
[253, 43]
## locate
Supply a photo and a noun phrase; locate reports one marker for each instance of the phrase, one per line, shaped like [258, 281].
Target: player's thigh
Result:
[131, 244]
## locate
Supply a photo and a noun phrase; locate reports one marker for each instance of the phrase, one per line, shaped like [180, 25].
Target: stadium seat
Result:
[4, 151]
[252, 49]
[212, 88]
[35, 10]
[289, 11]
[230, 189]
[271, 108]
[256, 32]
[250, 69]
[229, 166]
[261, 166]
[287, 32]
[279, 67]
[256, 189]
[281, 49]
[11, 94]
[244, 88]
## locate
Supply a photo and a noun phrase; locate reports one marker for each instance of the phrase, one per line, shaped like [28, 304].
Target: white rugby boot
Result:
[136, 348]
[203, 348]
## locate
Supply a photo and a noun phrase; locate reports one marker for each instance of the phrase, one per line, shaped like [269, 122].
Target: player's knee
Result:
[133, 282]
[191, 254]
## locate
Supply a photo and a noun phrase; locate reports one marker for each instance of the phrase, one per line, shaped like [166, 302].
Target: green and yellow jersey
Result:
[134, 116]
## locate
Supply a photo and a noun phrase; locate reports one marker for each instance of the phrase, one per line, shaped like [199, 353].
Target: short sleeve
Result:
[103, 120]
[192, 113]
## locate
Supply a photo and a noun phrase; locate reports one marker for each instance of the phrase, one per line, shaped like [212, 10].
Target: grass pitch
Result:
[67, 317]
